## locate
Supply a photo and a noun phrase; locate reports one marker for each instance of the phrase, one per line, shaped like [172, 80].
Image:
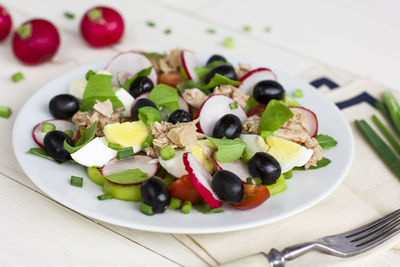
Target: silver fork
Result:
[342, 245]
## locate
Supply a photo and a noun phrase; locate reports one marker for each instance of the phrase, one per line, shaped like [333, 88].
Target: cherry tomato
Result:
[254, 196]
[256, 110]
[183, 189]
[171, 79]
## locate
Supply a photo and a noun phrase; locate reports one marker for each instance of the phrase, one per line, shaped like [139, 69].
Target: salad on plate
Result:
[169, 132]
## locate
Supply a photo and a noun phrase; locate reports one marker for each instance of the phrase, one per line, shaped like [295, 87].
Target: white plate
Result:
[304, 190]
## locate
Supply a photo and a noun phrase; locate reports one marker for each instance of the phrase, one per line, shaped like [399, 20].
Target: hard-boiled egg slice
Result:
[96, 153]
[127, 134]
[126, 99]
[203, 151]
[255, 143]
[289, 154]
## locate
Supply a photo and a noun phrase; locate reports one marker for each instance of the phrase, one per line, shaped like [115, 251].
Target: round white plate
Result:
[304, 190]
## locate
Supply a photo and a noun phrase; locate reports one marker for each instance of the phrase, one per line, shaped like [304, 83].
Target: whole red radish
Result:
[5, 23]
[102, 26]
[36, 41]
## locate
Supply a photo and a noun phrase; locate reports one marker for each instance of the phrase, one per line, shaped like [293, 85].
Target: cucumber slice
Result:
[122, 192]
[95, 175]
[278, 186]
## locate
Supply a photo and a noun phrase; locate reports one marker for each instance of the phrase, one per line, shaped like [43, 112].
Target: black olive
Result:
[53, 144]
[229, 126]
[265, 167]
[266, 90]
[179, 115]
[141, 85]
[142, 102]
[228, 186]
[214, 58]
[155, 194]
[63, 106]
[225, 70]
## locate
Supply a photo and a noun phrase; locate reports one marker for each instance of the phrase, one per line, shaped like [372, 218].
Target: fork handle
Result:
[275, 258]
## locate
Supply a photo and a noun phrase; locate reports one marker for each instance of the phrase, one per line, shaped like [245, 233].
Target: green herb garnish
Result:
[69, 15]
[325, 141]
[228, 149]
[86, 136]
[267, 29]
[203, 207]
[105, 196]
[127, 177]
[5, 112]
[151, 55]
[149, 115]
[165, 96]
[99, 88]
[142, 73]
[274, 116]
[76, 181]
[125, 153]
[229, 43]
[189, 85]
[17, 77]
[320, 163]
[219, 80]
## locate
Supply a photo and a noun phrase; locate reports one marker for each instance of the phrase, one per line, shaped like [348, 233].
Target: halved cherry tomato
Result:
[184, 189]
[254, 196]
[78, 134]
[256, 110]
[171, 79]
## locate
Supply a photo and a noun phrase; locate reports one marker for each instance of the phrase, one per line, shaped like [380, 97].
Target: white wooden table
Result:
[358, 37]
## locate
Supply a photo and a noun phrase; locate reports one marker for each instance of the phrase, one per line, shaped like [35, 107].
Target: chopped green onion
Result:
[69, 15]
[233, 105]
[146, 209]
[247, 28]
[254, 180]
[384, 151]
[265, 134]
[89, 74]
[167, 152]
[70, 133]
[229, 43]
[5, 112]
[187, 207]
[168, 31]
[393, 107]
[147, 142]
[48, 127]
[267, 29]
[76, 181]
[17, 77]
[298, 93]
[105, 196]
[211, 31]
[114, 146]
[151, 24]
[246, 156]
[288, 174]
[175, 203]
[389, 136]
[124, 153]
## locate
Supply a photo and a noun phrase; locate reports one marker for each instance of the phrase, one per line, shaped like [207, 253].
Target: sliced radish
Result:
[201, 180]
[175, 165]
[189, 62]
[61, 125]
[311, 120]
[213, 109]
[126, 64]
[238, 167]
[250, 79]
[145, 163]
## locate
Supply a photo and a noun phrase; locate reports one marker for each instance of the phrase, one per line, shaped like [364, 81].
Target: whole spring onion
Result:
[389, 136]
[393, 108]
[384, 151]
